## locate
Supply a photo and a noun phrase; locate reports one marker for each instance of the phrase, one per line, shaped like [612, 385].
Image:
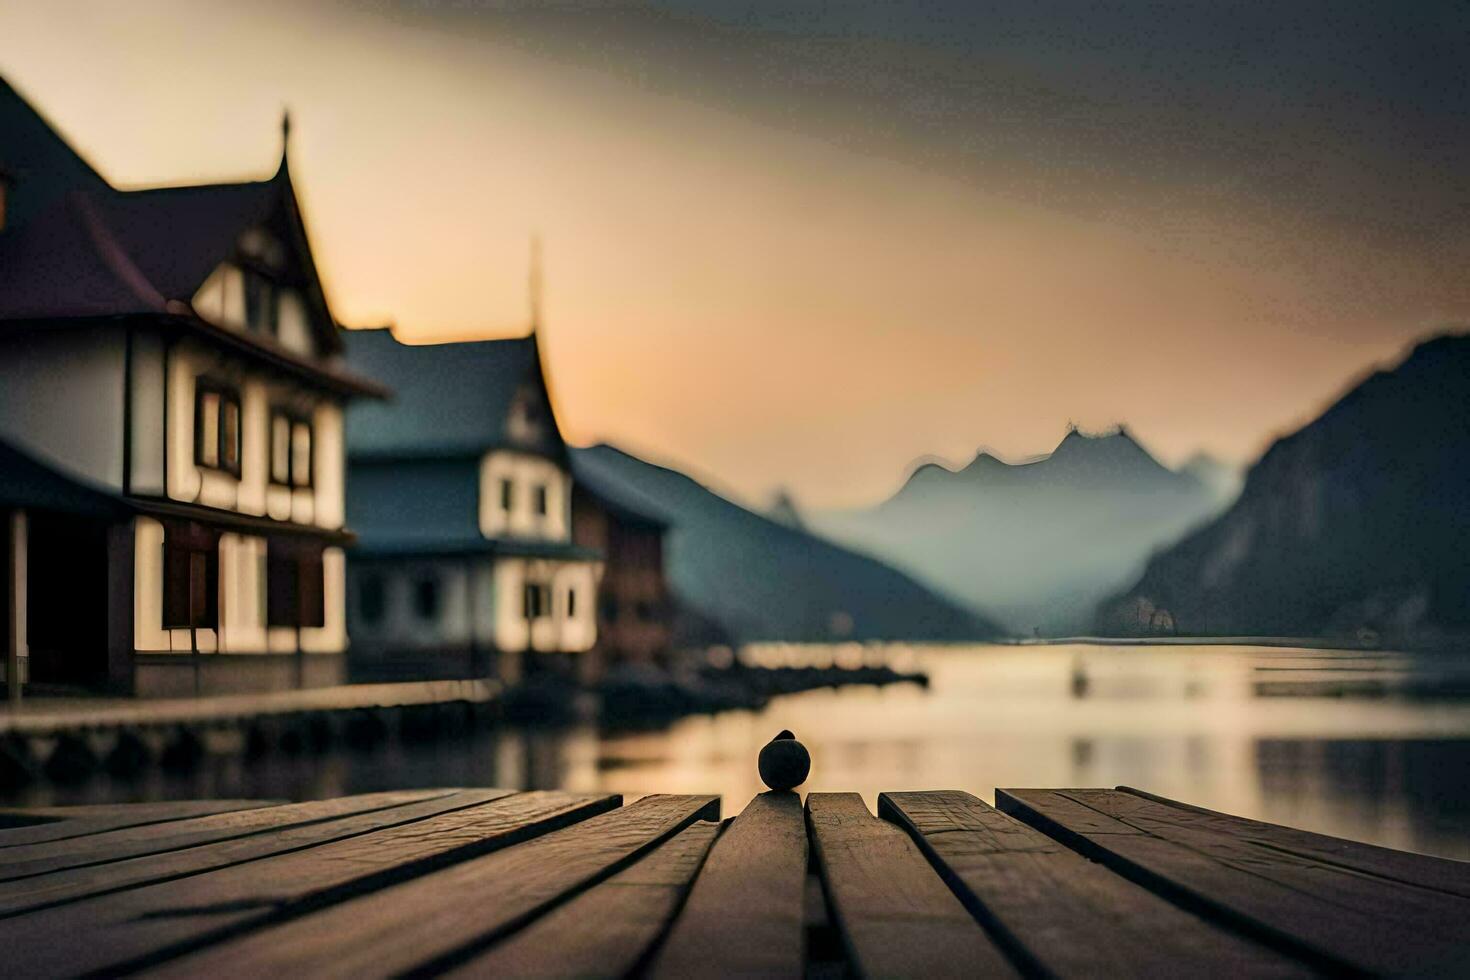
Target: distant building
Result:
[634, 608]
[171, 397]
[461, 494]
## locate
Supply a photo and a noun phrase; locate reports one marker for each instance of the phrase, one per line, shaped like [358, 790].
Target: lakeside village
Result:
[210, 488]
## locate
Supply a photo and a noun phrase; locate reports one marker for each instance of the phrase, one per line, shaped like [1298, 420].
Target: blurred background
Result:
[995, 394]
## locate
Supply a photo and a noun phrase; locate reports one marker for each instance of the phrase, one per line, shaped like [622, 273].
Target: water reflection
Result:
[1360, 747]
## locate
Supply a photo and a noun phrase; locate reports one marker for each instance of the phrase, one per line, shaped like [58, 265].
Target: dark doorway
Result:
[66, 600]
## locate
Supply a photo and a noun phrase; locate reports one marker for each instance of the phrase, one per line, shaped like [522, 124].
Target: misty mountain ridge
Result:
[762, 579]
[1358, 521]
[1079, 461]
[1037, 542]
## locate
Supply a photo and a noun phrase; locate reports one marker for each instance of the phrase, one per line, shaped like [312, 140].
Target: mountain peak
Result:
[1116, 438]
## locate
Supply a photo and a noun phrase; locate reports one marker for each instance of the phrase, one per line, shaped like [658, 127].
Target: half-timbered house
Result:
[170, 351]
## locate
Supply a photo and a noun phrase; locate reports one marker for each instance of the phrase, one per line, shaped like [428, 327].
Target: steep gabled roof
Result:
[449, 399]
[42, 164]
[76, 246]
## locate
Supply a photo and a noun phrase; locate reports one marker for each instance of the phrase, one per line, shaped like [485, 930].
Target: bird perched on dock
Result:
[784, 762]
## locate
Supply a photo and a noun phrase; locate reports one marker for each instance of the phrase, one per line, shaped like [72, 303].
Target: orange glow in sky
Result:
[759, 303]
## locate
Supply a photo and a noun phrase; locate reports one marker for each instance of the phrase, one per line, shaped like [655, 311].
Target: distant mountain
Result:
[763, 580]
[1040, 542]
[1361, 519]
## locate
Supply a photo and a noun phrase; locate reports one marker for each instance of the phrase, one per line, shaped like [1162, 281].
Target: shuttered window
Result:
[190, 577]
[295, 590]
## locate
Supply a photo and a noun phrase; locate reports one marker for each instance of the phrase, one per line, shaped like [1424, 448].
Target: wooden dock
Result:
[70, 740]
[485, 882]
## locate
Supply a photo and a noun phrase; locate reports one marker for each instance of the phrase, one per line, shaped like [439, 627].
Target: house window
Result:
[300, 453]
[541, 499]
[190, 577]
[507, 494]
[290, 450]
[571, 603]
[217, 427]
[371, 600]
[262, 310]
[537, 601]
[426, 598]
[294, 585]
[280, 449]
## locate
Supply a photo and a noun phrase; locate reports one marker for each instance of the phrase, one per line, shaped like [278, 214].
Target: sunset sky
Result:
[806, 249]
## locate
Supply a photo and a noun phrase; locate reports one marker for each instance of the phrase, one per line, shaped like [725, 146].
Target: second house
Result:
[461, 495]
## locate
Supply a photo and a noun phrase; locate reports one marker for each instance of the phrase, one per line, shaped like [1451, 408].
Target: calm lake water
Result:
[1369, 746]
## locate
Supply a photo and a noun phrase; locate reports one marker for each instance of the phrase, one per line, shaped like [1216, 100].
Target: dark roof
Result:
[117, 253]
[449, 399]
[74, 246]
[42, 165]
[25, 481]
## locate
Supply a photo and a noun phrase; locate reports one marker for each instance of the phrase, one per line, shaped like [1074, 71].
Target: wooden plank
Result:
[1339, 918]
[72, 884]
[1404, 866]
[82, 821]
[897, 918]
[443, 919]
[26, 860]
[607, 930]
[1056, 912]
[744, 916]
[131, 929]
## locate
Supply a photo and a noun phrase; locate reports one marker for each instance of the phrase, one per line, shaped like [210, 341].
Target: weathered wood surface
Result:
[1057, 912]
[498, 883]
[68, 822]
[25, 860]
[136, 927]
[42, 891]
[897, 917]
[1337, 917]
[1384, 862]
[752, 886]
[439, 920]
[608, 929]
